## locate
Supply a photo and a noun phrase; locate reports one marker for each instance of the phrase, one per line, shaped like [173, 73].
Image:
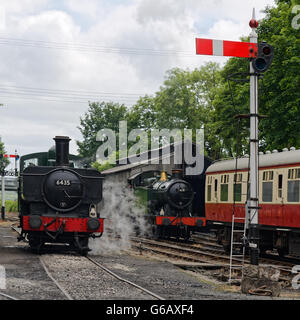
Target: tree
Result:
[232, 98]
[104, 115]
[279, 95]
[185, 100]
[3, 161]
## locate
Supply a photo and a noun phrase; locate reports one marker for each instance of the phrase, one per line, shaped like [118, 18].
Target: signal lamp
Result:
[264, 58]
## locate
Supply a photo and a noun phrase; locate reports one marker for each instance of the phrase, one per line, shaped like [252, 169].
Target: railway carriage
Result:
[279, 198]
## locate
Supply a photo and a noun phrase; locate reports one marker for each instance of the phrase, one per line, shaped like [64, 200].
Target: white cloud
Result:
[173, 25]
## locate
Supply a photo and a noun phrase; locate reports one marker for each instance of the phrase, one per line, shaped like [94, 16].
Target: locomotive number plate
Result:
[62, 182]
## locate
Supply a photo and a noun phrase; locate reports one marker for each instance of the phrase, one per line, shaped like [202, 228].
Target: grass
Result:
[10, 205]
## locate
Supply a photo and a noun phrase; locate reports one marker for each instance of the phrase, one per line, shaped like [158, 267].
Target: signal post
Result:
[2, 195]
[252, 205]
[260, 56]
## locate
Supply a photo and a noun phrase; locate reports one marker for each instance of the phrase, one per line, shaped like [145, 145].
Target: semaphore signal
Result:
[226, 48]
[260, 56]
[16, 156]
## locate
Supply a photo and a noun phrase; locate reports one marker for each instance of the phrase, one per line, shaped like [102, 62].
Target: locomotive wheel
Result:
[156, 232]
[282, 252]
[84, 246]
[187, 234]
[36, 245]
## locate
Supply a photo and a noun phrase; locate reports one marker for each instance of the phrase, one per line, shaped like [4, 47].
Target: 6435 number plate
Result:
[62, 182]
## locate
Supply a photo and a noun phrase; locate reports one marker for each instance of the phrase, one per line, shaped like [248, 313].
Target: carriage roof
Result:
[265, 160]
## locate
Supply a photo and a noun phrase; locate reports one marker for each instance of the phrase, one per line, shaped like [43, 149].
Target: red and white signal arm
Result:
[226, 48]
[16, 156]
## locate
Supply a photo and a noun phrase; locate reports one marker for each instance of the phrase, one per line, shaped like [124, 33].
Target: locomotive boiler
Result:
[58, 204]
[168, 197]
[169, 200]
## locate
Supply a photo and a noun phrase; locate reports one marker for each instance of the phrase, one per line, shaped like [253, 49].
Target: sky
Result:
[56, 55]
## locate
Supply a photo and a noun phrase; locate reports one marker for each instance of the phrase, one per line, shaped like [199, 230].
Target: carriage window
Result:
[224, 192]
[293, 191]
[209, 183]
[224, 187]
[268, 175]
[209, 193]
[267, 186]
[293, 185]
[216, 188]
[237, 192]
[216, 185]
[294, 174]
[238, 177]
[225, 178]
[267, 192]
[280, 185]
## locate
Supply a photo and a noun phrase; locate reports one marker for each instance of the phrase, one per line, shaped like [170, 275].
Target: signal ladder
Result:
[237, 259]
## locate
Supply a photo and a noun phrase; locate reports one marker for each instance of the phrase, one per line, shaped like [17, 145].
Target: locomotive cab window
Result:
[267, 186]
[224, 187]
[293, 185]
[31, 162]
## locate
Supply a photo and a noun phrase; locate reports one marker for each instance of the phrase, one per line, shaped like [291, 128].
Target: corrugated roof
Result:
[265, 160]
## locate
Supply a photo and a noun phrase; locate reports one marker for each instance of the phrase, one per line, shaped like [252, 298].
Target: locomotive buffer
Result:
[260, 56]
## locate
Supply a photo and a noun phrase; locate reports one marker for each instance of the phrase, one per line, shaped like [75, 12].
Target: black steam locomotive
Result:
[171, 196]
[58, 204]
[169, 201]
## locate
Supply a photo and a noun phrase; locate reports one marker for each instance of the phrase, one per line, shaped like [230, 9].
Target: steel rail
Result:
[56, 283]
[8, 296]
[124, 280]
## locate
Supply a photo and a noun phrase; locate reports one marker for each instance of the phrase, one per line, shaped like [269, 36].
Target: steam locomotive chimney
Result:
[62, 150]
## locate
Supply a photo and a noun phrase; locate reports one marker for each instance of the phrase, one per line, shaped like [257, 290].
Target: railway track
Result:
[124, 280]
[202, 251]
[65, 293]
[199, 255]
[94, 262]
[107, 270]
[8, 296]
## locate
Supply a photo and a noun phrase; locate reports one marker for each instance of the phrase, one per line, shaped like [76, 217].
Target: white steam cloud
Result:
[123, 216]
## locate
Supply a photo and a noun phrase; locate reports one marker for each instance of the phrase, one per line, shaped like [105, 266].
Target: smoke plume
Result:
[123, 216]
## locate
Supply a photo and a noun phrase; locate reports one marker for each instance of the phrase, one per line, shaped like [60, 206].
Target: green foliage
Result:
[102, 167]
[99, 116]
[281, 95]
[184, 101]
[11, 206]
[3, 161]
[232, 98]
[108, 164]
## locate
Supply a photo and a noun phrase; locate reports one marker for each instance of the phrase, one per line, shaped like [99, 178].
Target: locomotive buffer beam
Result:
[59, 230]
